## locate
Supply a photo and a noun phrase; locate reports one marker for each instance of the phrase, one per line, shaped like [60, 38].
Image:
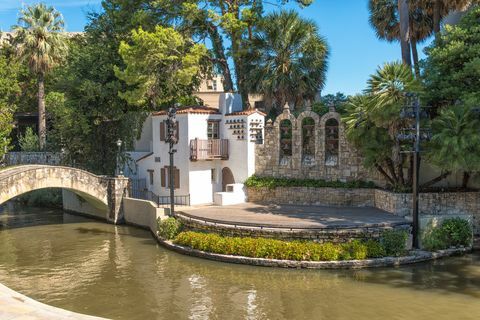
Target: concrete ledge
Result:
[14, 305]
[414, 257]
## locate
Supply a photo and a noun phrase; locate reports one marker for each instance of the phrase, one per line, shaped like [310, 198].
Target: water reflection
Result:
[120, 272]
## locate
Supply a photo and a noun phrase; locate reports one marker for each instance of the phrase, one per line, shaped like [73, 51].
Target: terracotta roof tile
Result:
[191, 110]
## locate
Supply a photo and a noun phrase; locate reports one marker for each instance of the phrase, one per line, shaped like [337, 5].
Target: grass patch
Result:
[272, 183]
[286, 250]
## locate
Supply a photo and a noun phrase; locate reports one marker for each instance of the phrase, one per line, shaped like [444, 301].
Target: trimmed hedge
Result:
[282, 250]
[272, 183]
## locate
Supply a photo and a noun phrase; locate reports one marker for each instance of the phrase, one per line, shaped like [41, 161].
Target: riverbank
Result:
[16, 306]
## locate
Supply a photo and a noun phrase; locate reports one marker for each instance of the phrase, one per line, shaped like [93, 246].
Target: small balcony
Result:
[214, 149]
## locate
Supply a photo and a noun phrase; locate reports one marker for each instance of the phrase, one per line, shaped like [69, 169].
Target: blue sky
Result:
[355, 51]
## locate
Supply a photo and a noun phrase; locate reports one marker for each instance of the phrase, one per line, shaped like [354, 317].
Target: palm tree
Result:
[287, 59]
[40, 45]
[439, 9]
[403, 17]
[455, 145]
[373, 120]
[385, 19]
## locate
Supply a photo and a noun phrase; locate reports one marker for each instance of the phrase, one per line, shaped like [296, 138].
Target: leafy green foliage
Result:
[29, 141]
[394, 242]
[452, 232]
[455, 144]
[287, 59]
[452, 66]
[50, 198]
[279, 249]
[161, 66]
[373, 121]
[9, 89]
[272, 183]
[169, 228]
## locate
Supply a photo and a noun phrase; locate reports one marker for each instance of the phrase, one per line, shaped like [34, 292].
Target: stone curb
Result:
[417, 256]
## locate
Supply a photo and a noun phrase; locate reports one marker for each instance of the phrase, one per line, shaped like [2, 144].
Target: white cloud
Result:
[7, 5]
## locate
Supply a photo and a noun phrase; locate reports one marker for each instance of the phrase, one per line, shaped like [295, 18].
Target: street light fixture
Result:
[119, 171]
[413, 110]
[172, 139]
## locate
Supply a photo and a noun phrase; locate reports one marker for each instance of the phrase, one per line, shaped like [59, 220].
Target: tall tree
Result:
[403, 14]
[373, 121]
[228, 24]
[439, 9]
[40, 45]
[452, 65]
[161, 67]
[385, 19]
[9, 89]
[287, 59]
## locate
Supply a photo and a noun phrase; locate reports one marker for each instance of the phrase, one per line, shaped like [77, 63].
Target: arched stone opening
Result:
[285, 141]
[331, 142]
[308, 141]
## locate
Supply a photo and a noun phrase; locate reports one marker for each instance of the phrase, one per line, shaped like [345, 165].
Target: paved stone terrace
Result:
[291, 216]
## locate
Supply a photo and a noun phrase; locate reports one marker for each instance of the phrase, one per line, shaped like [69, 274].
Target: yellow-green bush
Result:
[280, 249]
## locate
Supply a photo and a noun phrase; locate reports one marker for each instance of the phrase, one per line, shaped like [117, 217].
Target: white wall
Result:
[144, 144]
[143, 213]
[75, 203]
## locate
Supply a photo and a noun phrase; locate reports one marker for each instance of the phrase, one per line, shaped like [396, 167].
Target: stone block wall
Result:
[349, 167]
[334, 235]
[313, 196]
[433, 204]
[446, 204]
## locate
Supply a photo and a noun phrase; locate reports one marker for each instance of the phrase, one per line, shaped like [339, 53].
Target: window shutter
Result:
[162, 177]
[162, 131]
[176, 178]
[178, 131]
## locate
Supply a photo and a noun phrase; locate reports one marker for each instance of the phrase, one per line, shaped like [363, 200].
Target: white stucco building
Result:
[216, 148]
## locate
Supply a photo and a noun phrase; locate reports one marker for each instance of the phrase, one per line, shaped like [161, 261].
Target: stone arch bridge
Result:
[109, 191]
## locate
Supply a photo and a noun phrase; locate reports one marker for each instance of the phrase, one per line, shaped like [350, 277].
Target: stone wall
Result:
[447, 204]
[433, 204]
[143, 213]
[269, 161]
[313, 196]
[17, 158]
[334, 235]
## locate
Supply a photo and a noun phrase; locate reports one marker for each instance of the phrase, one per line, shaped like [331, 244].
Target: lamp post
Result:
[172, 139]
[413, 110]
[118, 171]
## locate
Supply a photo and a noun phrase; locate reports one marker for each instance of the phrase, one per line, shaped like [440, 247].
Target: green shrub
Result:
[272, 183]
[452, 232]
[458, 232]
[375, 249]
[280, 249]
[394, 242]
[169, 228]
[29, 141]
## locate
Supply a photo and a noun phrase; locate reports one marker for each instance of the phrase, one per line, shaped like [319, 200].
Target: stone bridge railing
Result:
[109, 191]
[19, 158]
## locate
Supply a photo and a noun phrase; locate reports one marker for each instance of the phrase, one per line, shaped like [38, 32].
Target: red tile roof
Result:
[191, 110]
[246, 113]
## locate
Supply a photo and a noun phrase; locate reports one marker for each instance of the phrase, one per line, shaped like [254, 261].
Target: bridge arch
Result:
[108, 191]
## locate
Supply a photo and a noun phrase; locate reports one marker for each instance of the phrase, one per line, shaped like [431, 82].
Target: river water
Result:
[120, 272]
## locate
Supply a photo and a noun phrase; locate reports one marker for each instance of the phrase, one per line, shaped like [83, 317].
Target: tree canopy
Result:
[161, 67]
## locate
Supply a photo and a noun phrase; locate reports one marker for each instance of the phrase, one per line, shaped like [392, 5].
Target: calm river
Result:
[121, 273]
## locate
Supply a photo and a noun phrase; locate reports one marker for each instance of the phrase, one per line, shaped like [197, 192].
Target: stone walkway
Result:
[15, 306]
[296, 216]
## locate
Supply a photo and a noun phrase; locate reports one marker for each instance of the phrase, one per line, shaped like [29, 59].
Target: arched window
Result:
[331, 142]
[285, 138]
[308, 140]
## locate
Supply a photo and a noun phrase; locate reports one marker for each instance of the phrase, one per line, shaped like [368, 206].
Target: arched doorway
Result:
[227, 178]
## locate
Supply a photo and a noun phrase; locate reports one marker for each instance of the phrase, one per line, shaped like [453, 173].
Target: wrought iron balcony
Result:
[209, 149]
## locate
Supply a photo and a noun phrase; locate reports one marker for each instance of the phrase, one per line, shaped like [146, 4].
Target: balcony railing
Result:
[208, 149]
